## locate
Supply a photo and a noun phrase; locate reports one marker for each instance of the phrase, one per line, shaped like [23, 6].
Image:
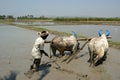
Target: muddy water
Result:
[12, 38]
[15, 49]
[88, 30]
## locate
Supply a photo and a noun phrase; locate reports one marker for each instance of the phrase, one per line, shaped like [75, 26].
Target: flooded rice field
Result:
[15, 59]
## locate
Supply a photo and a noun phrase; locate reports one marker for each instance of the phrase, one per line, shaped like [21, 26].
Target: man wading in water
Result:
[38, 50]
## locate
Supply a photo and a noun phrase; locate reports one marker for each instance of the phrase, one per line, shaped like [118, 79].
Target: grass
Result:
[114, 44]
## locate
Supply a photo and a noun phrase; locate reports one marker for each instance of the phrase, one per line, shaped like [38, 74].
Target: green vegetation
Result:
[114, 44]
[85, 19]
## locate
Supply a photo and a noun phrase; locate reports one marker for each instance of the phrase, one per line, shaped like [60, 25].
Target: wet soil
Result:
[15, 60]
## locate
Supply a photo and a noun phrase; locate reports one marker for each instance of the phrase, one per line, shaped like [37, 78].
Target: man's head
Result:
[43, 34]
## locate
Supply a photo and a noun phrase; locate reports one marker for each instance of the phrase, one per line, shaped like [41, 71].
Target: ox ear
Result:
[99, 32]
[107, 32]
[75, 34]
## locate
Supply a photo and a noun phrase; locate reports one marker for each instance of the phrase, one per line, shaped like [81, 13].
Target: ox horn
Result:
[75, 34]
[107, 32]
[99, 32]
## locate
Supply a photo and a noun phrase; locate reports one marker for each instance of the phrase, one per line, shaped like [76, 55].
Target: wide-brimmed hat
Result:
[43, 33]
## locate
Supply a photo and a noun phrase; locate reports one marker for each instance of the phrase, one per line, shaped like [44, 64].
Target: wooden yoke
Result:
[88, 39]
[82, 39]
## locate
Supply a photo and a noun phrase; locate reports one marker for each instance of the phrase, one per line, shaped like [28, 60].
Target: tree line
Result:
[3, 17]
[86, 19]
[21, 17]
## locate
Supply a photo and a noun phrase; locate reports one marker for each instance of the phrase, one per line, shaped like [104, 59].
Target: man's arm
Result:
[47, 41]
[42, 51]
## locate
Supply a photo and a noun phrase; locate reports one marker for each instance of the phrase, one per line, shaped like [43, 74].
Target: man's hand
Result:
[46, 54]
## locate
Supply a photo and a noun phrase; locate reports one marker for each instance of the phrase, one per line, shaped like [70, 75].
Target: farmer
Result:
[38, 50]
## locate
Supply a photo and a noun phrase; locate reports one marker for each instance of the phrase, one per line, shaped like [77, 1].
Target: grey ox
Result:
[98, 48]
[64, 43]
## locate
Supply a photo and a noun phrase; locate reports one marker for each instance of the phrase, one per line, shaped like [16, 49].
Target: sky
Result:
[61, 8]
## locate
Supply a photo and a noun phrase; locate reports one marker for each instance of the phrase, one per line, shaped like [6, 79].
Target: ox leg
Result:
[71, 52]
[95, 60]
[105, 56]
[61, 53]
[91, 56]
[99, 58]
[54, 51]
[78, 46]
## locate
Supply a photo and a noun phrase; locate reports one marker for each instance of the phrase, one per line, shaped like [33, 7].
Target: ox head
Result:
[100, 32]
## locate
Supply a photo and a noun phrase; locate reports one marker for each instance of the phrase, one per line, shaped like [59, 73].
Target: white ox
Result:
[98, 48]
